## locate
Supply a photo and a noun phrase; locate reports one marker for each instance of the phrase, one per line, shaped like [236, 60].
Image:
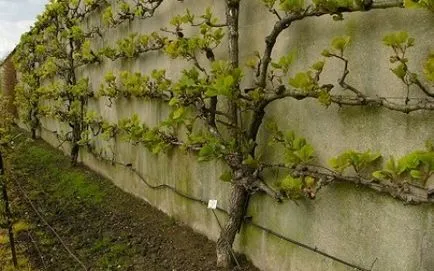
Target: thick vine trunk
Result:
[227, 236]
[33, 133]
[75, 148]
[232, 17]
[34, 121]
[74, 154]
[239, 194]
[8, 214]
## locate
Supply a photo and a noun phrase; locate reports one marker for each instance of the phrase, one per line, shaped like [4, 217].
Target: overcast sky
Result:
[16, 17]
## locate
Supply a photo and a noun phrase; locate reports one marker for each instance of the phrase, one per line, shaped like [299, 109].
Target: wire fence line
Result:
[41, 217]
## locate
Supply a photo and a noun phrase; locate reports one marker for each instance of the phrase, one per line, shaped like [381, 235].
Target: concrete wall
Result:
[354, 224]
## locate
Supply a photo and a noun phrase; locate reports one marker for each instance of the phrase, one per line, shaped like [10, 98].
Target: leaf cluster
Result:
[429, 67]
[358, 161]
[127, 11]
[400, 42]
[155, 139]
[129, 84]
[297, 187]
[134, 45]
[6, 122]
[416, 166]
[296, 149]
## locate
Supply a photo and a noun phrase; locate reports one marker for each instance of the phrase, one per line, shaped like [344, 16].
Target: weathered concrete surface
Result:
[353, 224]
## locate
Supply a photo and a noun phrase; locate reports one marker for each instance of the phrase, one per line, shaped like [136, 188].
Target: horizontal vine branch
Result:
[418, 103]
[407, 192]
[310, 11]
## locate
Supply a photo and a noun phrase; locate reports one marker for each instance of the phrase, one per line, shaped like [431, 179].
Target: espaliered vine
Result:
[210, 113]
[59, 46]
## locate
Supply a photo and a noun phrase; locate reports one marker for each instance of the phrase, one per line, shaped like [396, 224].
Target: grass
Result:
[57, 188]
[106, 228]
[69, 182]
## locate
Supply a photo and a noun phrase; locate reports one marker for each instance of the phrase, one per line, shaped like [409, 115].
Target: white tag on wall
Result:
[212, 204]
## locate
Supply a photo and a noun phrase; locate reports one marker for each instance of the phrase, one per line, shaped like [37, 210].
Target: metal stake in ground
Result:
[212, 204]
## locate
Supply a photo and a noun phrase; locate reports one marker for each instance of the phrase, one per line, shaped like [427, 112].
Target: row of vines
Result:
[212, 115]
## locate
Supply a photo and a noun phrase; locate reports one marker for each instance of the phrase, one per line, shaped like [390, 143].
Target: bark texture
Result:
[227, 236]
[239, 195]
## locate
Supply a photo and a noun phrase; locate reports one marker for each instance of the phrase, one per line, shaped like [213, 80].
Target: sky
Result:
[16, 17]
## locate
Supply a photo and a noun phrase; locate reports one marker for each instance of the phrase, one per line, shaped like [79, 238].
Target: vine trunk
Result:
[238, 198]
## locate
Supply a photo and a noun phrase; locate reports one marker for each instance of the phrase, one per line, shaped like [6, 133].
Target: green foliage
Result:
[429, 67]
[340, 43]
[179, 20]
[296, 149]
[190, 85]
[400, 42]
[297, 188]
[284, 62]
[226, 176]
[252, 62]
[208, 16]
[6, 122]
[359, 161]
[133, 45]
[135, 84]
[75, 33]
[308, 82]
[155, 140]
[269, 3]
[188, 47]
[28, 98]
[294, 6]
[50, 67]
[416, 166]
[207, 38]
[201, 93]
[226, 79]
[107, 16]
[109, 89]
[251, 162]
[86, 54]
[304, 81]
[97, 126]
[336, 6]
[291, 187]
[324, 97]
[212, 149]
[127, 11]
[338, 46]
[331, 6]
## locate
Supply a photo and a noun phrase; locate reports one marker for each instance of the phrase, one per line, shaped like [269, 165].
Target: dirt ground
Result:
[105, 228]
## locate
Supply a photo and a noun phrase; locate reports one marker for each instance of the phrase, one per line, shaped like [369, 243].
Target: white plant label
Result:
[212, 204]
